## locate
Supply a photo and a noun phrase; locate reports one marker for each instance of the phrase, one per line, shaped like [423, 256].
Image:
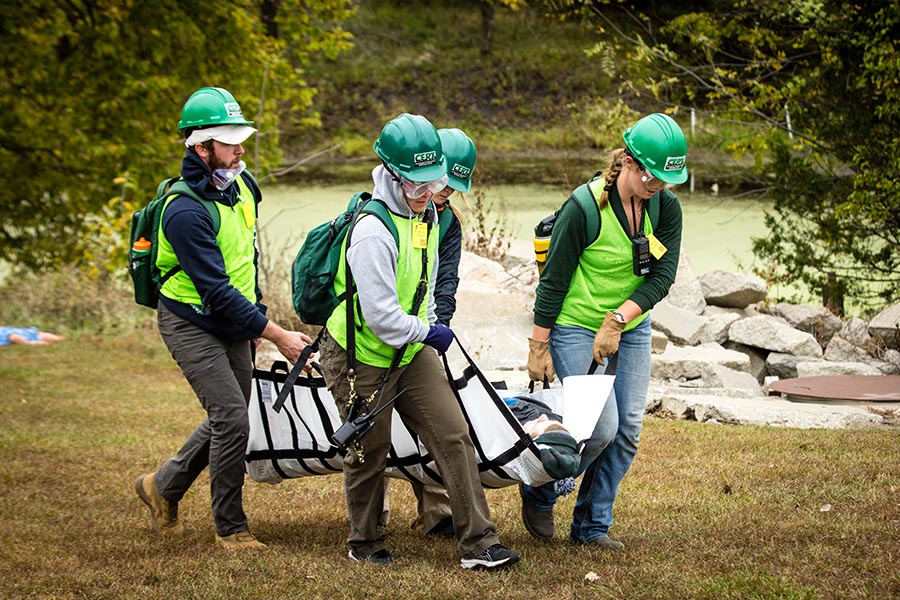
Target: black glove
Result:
[439, 337]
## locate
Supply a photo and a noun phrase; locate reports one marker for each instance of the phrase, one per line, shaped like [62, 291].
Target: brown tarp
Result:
[863, 388]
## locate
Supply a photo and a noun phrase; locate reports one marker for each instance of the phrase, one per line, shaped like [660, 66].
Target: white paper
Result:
[583, 399]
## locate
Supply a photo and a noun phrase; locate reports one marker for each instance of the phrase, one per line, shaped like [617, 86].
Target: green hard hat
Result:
[409, 144]
[459, 150]
[210, 106]
[658, 143]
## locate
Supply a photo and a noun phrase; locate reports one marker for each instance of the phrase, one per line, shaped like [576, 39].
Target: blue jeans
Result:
[609, 453]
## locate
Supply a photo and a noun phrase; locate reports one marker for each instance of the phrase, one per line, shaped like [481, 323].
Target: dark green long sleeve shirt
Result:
[569, 239]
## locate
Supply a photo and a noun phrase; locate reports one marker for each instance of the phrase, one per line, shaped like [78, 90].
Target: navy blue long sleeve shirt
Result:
[189, 228]
[448, 270]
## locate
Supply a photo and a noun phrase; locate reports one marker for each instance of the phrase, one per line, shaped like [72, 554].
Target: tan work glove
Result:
[606, 341]
[540, 364]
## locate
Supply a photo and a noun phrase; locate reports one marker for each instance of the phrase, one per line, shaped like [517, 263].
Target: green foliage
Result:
[832, 68]
[603, 122]
[71, 299]
[487, 228]
[410, 57]
[91, 91]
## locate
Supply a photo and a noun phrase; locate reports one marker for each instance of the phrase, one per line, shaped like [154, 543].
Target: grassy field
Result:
[706, 512]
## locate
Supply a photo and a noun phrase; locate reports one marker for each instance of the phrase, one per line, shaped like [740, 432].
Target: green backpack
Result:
[313, 271]
[144, 243]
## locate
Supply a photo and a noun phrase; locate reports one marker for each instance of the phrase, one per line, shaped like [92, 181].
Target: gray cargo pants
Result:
[432, 411]
[220, 374]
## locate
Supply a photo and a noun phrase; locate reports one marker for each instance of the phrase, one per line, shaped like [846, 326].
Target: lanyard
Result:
[638, 230]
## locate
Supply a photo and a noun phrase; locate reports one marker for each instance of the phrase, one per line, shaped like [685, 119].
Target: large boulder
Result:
[686, 292]
[816, 320]
[886, 327]
[493, 314]
[784, 366]
[757, 358]
[719, 376]
[771, 333]
[500, 344]
[856, 331]
[824, 367]
[680, 325]
[692, 362]
[772, 412]
[735, 290]
[840, 350]
[717, 324]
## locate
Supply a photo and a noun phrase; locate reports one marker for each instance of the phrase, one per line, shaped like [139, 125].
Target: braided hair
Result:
[616, 164]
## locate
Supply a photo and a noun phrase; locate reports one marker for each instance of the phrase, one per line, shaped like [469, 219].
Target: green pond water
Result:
[717, 230]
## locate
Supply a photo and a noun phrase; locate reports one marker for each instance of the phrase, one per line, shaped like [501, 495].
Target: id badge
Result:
[420, 235]
[249, 214]
[656, 247]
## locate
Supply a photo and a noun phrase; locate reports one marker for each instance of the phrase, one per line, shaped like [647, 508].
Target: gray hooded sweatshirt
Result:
[372, 256]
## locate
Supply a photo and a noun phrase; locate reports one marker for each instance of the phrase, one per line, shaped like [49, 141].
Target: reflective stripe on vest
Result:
[370, 350]
[235, 238]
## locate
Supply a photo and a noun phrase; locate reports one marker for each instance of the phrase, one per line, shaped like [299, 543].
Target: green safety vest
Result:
[604, 277]
[370, 350]
[236, 239]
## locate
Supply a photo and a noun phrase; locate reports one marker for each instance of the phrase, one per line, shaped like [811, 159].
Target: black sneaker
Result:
[443, 529]
[497, 556]
[380, 557]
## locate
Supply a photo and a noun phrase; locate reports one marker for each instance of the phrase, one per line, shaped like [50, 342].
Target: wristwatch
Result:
[618, 317]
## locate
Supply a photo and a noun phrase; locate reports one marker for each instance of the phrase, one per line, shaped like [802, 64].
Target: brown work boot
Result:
[242, 540]
[163, 514]
[539, 523]
[604, 541]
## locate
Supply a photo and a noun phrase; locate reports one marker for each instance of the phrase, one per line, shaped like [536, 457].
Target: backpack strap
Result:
[584, 198]
[445, 218]
[176, 186]
[181, 188]
[374, 206]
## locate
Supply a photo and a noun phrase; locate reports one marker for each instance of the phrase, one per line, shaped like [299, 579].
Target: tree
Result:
[91, 92]
[833, 66]
[488, 10]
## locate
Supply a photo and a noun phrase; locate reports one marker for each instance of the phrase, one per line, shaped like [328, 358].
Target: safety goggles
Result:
[649, 180]
[417, 189]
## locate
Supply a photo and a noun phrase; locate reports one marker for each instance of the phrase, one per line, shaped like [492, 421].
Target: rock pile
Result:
[717, 343]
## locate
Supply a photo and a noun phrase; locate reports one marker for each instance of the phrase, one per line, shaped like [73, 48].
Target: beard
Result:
[216, 163]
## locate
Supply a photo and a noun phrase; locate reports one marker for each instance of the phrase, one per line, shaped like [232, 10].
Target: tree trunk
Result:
[268, 10]
[833, 295]
[487, 26]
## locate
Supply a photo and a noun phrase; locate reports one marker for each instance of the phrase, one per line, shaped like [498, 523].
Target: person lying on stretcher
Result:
[559, 450]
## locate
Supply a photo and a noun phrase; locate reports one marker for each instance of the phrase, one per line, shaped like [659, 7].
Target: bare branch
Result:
[299, 162]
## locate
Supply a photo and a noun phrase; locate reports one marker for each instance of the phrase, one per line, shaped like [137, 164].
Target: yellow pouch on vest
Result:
[249, 214]
[420, 235]
[656, 247]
